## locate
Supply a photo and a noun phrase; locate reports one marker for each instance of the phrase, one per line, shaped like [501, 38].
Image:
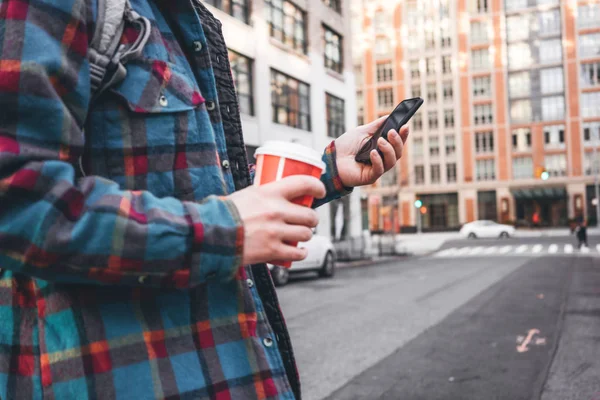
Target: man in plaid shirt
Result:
[140, 273]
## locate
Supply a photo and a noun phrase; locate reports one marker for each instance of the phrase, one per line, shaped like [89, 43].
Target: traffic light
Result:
[418, 203]
[545, 175]
[541, 173]
[423, 210]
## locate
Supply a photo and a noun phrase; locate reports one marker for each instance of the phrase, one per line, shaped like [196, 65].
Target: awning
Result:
[539, 193]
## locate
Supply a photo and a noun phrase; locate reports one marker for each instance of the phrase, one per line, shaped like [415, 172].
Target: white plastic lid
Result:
[292, 151]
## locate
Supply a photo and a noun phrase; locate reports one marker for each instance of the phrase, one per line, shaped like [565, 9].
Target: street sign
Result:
[418, 203]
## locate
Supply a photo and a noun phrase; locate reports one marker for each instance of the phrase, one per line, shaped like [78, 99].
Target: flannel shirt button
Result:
[249, 282]
[210, 105]
[163, 101]
[197, 46]
[225, 164]
[268, 342]
[142, 279]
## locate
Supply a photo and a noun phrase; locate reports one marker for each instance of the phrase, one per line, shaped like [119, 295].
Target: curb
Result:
[369, 262]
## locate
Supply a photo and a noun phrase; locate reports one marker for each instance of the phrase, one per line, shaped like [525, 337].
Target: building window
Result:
[415, 69]
[482, 86]
[390, 178]
[435, 173]
[445, 37]
[385, 98]
[419, 174]
[590, 74]
[432, 117]
[484, 142]
[287, 23]
[480, 59]
[446, 64]
[522, 167]
[554, 136]
[552, 80]
[556, 164]
[519, 84]
[521, 139]
[290, 100]
[451, 172]
[589, 45]
[479, 6]
[589, 105]
[520, 111]
[512, 5]
[333, 50]
[550, 51]
[450, 142]
[429, 39]
[384, 72]
[591, 133]
[553, 108]
[241, 70]
[448, 90]
[588, 15]
[417, 146]
[335, 5]
[432, 92]
[416, 90]
[549, 22]
[479, 32]
[519, 56]
[517, 27]
[448, 118]
[336, 116]
[483, 114]
[382, 46]
[430, 66]
[434, 146]
[590, 163]
[485, 170]
[418, 121]
[237, 8]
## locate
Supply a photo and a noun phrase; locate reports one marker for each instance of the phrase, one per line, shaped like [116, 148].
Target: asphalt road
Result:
[504, 327]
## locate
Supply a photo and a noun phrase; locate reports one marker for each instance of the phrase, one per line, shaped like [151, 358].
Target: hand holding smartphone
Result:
[399, 117]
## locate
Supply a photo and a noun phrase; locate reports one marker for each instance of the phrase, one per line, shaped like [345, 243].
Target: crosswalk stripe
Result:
[505, 249]
[585, 249]
[521, 248]
[537, 248]
[598, 248]
[553, 248]
[463, 251]
[490, 250]
[476, 250]
[568, 248]
[446, 252]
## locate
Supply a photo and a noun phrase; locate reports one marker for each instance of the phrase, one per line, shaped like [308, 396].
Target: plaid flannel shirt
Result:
[126, 282]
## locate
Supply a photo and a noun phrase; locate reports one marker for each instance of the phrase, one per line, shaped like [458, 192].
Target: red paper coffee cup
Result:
[276, 160]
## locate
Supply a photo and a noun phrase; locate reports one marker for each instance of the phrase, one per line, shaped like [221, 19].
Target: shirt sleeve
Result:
[331, 178]
[56, 227]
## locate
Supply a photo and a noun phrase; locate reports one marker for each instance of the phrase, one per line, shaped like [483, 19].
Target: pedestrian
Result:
[132, 246]
[581, 233]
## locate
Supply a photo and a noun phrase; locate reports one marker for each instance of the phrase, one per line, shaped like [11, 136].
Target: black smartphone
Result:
[399, 117]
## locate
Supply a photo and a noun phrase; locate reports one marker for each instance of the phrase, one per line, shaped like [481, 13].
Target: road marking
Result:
[525, 341]
[490, 250]
[522, 248]
[505, 249]
[568, 248]
[553, 248]
[598, 248]
[537, 248]
[463, 251]
[476, 250]
[446, 252]
[585, 249]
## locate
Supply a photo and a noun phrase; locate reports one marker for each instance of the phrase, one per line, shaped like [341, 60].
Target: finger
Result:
[389, 155]
[404, 133]
[295, 233]
[372, 126]
[292, 187]
[285, 252]
[299, 215]
[396, 141]
[376, 165]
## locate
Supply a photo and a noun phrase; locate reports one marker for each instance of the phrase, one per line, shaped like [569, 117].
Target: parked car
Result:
[486, 229]
[321, 259]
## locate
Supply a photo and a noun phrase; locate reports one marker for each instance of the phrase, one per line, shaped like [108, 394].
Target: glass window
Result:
[415, 70]
[379, 22]
[390, 178]
[335, 5]
[550, 51]
[446, 64]
[517, 27]
[591, 164]
[445, 34]
[482, 114]
[589, 104]
[554, 136]
[448, 118]
[419, 174]
[588, 15]
[237, 8]
[484, 142]
[382, 46]
[384, 72]
[418, 121]
[451, 172]
[522, 167]
[431, 92]
[429, 38]
[590, 74]
[512, 5]
[417, 145]
[521, 139]
[591, 133]
[434, 146]
[589, 45]
[519, 56]
[385, 98]
[480, 59]
[333, 50]
[336, 116]
[450, 141]
[479, 31]
[553, 108]
[479, 6]
[290, 101]
[435, 173]
[432, 117]
[485, 170]
[552, 80]
[287, 24]
[430, 66]
[549, 22]
[519, 84]
[448, 90]
[482, 86]
[241, 70]
[520, 111]
[416, 90]
[556, 164]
